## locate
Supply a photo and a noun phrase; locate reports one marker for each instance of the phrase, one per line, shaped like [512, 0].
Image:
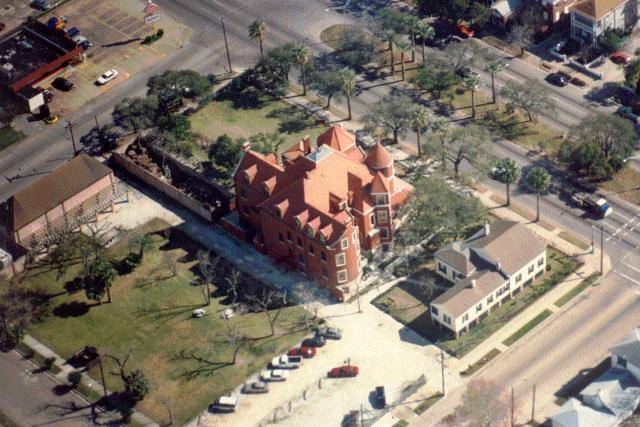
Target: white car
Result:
[274, 375]
[107, 77]
[286, 362]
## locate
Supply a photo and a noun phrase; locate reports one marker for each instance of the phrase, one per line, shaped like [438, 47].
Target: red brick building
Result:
[321, 208]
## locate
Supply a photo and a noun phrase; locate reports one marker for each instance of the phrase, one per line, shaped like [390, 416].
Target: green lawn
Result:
[9, 136]
[480, 363]
[527, 327]
[409, 305]
[220, 117]
[575, 291]
[427, 403]
[185, 359]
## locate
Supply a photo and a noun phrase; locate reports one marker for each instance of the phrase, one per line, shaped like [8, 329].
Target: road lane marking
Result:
[624, 276]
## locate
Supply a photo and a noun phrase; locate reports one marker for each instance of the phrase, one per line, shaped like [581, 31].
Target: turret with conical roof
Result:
[379, 159]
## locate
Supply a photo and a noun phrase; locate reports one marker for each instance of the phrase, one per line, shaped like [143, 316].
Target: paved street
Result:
[35, 399]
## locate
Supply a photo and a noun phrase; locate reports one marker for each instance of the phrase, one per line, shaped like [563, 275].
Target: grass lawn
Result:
[401, 423]
[428, 403]
[408, 304]
[625, 184]
[575, 291]
[575, 240]
[527, 327]
[220, 117]
[9, 136]
[186, 360]
[480, 363]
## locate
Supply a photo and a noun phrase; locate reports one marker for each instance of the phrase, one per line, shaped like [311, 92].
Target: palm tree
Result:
[403, 46]
[507, 172]
[425, 31]
[471, 83]
[391, 37]
[258, 32]
[347, 78]
[301, 56]
[420, 122]
[493, 68]
[440, 127]
[411, 23]
[538, 179]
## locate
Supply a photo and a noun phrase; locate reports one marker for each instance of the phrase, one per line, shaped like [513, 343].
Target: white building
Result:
[591, 18]
[486, 269]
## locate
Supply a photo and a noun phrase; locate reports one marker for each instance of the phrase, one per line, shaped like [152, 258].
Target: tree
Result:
[74, 377]
[393, 19]
[494, 68]
[538, 179]
[393, 113]
[483, 405]
[103, 139]
[615, 135]
[236, 339]
[355, 50]
[455, 10]
[347, 78]
[458, 144]
[507, 172]
[529, 97]
[426, 32]
[184, 83]
[302, 55]
[208, 265]
[471, 83]
[258, 32]
[233, 281]
[136, 114]
[435, 78]
[391, 37]
[225, 153]
[402, 46]
[327, 83]
[177, 124]
[420, 122]
[19, 308]
[270, 302]
[436, 208]
[525, 26]
[143, 242]
[461, 56]
[98, 278]
[439, 129]
[585, 158]
[136, 385]
[267, 143]
[611, 40]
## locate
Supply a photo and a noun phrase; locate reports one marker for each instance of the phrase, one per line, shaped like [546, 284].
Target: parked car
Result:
[198, 313]
[52, 119]
[255, 387]
[557, 79]
[62, 84]
[465, 31]
[316, 341]
[107, 77]
[620, 57]
[40, 4]
[72, 32]
[627, 113]
[274, 375]
[328, 332]
[224, 404]
[286, 362]
[352, 419]
[306, 352]
[345, 371]
[380, 397]
[48, 96]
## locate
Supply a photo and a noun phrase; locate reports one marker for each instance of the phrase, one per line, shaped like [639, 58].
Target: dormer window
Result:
[309, 231]
[298, 223]
[381, 199]
[323, 238]
[247, 176]
[342, 205]
[265, 188]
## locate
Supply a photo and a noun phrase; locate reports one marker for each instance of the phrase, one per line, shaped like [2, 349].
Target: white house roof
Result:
[574, 414]
[616, 392]
[629, 347]
[506, 7]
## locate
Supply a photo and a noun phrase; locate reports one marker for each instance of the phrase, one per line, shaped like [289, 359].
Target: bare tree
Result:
[170, 262]
[264, 302]
[208, 266]
[484, 405]
[97, 232]
[236, 339]
[18, 308]
[233, 280]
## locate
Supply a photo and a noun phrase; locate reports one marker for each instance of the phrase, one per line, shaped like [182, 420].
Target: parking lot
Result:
[116, 30]
[14, 12]
[386, 353]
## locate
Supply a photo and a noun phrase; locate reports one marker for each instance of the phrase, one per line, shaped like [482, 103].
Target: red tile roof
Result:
[337, 138]
[379, 157]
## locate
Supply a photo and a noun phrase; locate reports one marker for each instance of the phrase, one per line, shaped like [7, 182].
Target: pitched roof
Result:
[378, 157]
[596, 9]
[458, 259]
[506, 8]
[616, 392]
[337, 138]
[463, 296]
[629, 347]
[59, 185]
[380, 184]
[574, 414]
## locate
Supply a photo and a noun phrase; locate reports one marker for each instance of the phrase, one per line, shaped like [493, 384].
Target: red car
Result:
[344, 371]
[465, 30]
[620, 58]
[306, 352]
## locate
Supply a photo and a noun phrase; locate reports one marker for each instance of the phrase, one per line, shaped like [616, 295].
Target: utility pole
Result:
[442, 370]
[97, 125]
[601, 249]
[358, 295]
[593, 239]
[513, 420]
[73, 140]
[533, 405]
[226, 44]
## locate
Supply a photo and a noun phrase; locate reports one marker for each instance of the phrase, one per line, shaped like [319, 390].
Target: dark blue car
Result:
[73, 31]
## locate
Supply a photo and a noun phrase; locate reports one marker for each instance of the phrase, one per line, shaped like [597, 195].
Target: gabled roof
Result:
[616, 392]
[506, 8]
[380, 184]
[596, 9]
[51, 190]
[463, 296]
[337, 138]
[574, 414]
[629, 347]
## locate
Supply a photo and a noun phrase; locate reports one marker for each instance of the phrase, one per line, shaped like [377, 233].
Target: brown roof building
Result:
[485, 269]
[50, 202]
[320, 208]
[590, 19]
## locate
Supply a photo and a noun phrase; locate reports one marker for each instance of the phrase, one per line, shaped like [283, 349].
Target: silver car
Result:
[255, 387]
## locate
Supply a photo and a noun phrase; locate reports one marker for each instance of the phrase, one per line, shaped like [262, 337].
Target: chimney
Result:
[487, 228]
[456, 246]
[350, 198]
[498, 266]
[246, 146]
[473, 283]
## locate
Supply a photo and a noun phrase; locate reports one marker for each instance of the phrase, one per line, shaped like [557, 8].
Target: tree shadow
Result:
[61, 389]
[72, 309]
[204, 367]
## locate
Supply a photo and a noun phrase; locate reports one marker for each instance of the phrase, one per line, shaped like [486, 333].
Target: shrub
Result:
[48, 363]
[27, 352]
[185, 149]
[160, 33]
[74, 377]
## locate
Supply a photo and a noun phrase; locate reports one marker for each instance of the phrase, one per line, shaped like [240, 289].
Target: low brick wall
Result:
[122, 162]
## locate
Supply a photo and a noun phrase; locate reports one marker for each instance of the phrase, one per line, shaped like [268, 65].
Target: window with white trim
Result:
[381, 199]
[354, 236]
[384, 232]
[342, 276]
[530, 270]
[344, 243]
[540, 261]
[382, 217]
[372, 220]
[518, 278]
[311, 250]
[340, 260]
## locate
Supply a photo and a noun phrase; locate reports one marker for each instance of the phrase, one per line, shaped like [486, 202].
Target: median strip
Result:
[575, 291]
[527, 327]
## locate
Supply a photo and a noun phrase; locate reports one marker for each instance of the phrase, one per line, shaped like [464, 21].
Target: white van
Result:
[225, 404]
